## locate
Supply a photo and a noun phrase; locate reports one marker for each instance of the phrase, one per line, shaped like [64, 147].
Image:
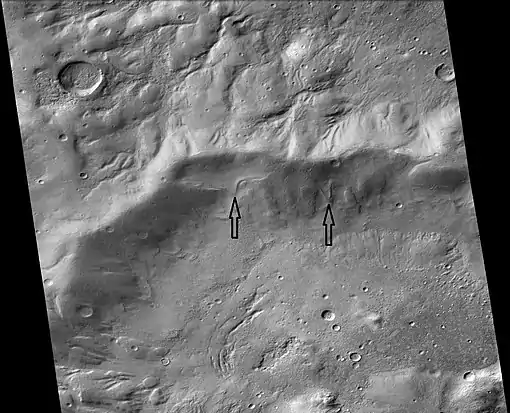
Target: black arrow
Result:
[234, 217]
[328, 223]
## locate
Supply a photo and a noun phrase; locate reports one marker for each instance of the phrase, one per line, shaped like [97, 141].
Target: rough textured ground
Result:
[141, 121]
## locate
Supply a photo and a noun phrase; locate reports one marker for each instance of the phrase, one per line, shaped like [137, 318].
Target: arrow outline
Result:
[328, 228]
[234, 229]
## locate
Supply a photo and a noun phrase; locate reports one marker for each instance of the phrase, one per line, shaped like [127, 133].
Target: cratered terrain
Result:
[253, 206]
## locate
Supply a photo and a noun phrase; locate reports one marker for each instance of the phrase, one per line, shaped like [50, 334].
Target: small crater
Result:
[328, 315]
[67, 400]
[445, 73]
[80, 78]
[469, 376]
[355, 357]
[86, 312]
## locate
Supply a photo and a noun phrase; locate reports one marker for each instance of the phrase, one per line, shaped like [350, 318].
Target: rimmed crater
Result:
[81, 78]
[445, 73]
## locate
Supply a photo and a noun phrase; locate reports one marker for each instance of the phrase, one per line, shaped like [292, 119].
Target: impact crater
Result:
[81, 78]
